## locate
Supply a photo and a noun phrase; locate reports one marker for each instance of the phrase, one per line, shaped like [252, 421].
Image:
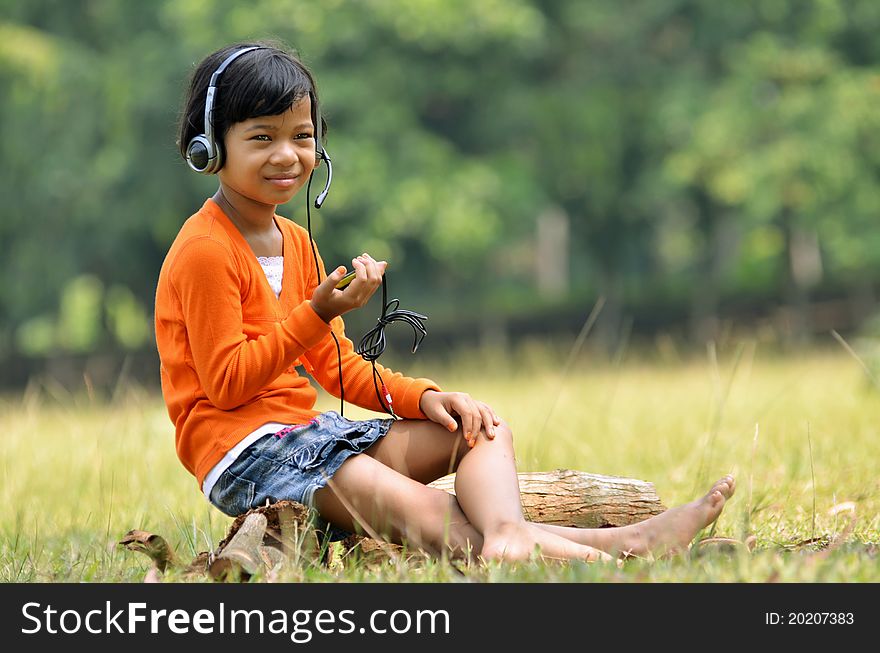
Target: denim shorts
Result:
[294, 463]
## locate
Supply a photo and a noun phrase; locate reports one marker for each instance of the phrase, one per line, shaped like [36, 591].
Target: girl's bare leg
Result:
[487, 489]
[425, 451]
[367, 489]
[487, 485]
[395, 507]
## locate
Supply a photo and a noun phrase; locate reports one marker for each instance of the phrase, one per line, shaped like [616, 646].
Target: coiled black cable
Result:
[372, 345]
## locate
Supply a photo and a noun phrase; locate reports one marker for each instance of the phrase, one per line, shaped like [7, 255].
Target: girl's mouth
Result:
[283, 182]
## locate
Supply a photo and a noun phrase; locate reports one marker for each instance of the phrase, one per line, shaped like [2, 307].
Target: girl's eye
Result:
[260, 137]
[303, 136]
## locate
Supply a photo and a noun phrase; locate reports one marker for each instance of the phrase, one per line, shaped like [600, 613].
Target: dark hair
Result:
[264, 82]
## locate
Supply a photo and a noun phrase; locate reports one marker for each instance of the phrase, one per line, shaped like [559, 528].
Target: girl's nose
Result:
[283, 154]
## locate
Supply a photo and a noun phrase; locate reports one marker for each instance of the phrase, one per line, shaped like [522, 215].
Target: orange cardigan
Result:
[228, 347]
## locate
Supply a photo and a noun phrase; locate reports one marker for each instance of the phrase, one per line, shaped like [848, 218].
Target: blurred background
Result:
[703, 169]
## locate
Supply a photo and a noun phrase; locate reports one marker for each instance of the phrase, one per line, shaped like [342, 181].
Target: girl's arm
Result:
[233, 369]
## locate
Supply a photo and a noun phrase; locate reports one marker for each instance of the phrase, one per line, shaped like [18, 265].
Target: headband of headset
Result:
[202, 153]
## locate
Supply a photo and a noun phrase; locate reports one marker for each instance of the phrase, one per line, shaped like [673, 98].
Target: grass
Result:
[800, 433]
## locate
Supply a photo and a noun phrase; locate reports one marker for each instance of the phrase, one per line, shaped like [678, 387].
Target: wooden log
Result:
[241, 558]
[567, 497]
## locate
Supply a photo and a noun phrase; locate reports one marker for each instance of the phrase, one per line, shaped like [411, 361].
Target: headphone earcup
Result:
[201, 155]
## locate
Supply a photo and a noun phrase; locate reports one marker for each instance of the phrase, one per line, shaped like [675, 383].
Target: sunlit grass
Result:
[80, 471]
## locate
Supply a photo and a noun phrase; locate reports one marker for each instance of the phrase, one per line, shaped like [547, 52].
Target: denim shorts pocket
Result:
[309, 454]
[232, 494]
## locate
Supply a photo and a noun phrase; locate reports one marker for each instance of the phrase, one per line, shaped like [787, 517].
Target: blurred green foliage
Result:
[698, 151]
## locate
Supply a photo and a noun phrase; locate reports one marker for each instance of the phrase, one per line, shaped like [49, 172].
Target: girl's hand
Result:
[475, 415]
[328, 302]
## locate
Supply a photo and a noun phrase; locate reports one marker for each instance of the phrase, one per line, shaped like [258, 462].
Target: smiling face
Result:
[269, 158]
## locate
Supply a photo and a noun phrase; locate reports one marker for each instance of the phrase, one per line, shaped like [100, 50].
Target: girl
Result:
[243, 300]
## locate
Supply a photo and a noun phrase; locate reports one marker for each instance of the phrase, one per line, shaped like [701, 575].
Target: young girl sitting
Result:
[243, 300]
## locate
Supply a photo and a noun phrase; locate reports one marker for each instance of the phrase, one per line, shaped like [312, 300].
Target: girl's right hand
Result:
[328, 302]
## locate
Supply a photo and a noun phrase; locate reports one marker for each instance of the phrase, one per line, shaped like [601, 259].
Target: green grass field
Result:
[799, 432]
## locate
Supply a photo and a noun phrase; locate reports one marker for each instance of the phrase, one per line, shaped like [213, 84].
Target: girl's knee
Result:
[503, 437]
[503, 434]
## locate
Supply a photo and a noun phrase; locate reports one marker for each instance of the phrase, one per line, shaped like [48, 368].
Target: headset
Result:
[205, 156]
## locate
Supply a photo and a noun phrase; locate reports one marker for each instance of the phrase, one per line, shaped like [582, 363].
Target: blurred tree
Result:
[786, 140]
[691, 150]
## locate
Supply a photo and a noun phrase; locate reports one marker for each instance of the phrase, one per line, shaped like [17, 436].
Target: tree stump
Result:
[241, 557]
[289, 528]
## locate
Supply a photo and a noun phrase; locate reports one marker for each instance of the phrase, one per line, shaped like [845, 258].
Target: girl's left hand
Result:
[440, 407]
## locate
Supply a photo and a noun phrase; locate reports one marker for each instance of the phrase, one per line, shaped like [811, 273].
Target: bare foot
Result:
[673, 530]
[516, 542]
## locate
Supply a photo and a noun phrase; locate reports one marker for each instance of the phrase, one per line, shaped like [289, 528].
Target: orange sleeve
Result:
[233, 369]
[357, 374]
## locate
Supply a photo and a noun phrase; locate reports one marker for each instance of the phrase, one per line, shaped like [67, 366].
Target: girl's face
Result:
[268, 159]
